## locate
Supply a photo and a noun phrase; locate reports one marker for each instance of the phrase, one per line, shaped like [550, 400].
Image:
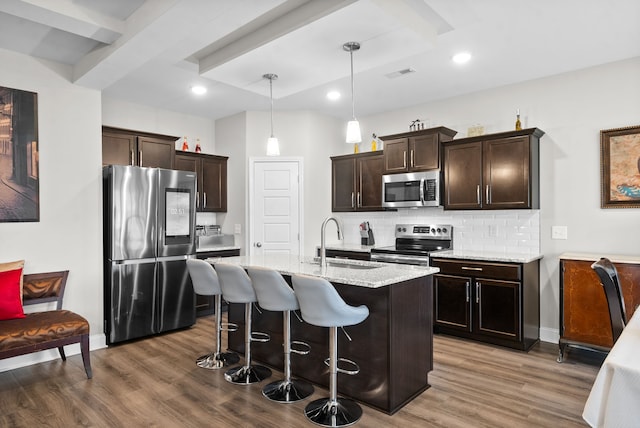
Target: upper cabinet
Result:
[126, 147]
[414, 151]
[356, 182]
[211, 173]
[495, 171]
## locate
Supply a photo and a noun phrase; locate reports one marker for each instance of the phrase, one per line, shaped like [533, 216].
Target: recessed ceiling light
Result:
[198, 90]
[462, 57]
[333, 95]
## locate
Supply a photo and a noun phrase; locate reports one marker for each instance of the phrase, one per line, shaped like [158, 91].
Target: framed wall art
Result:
[620, 167]
[19, 148]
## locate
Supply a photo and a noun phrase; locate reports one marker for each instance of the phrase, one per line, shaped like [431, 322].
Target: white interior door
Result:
[275, 207]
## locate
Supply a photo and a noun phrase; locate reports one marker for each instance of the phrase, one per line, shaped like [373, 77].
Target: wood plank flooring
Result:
[155, 383]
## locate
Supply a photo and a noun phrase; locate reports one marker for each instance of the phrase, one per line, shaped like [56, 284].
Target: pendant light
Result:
[353, 127]
[273, 148]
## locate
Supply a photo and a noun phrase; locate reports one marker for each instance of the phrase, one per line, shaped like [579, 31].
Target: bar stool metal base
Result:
[287, 392]
[217, 360]
[340, 413]
[245, 375]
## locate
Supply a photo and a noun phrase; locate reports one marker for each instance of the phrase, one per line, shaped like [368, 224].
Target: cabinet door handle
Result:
[359, 200]
[204, 202]
[471, 268]
[197, 199]
[131, 155]
[488, 194]
[352, 200]
[477, 292]
[478, 194]
[404, 161]
[412, 165]
[140, 155]
[468, 290]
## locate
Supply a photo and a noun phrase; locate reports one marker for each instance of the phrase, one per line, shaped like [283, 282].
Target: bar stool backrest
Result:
[235, 283]
[273, 292]
[204, 278]
[321, 305]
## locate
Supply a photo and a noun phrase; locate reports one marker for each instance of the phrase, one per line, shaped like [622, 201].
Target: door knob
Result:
[258, 244]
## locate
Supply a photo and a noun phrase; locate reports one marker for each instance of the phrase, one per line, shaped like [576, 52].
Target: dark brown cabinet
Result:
[497, 171]
[356, 182]
[493, 302]
[211, 172]
[126, 147]
[414, 151]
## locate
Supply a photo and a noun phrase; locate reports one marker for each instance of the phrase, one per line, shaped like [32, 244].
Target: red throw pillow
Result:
[10, 302]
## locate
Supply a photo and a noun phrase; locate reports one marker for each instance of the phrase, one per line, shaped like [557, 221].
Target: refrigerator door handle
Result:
[173, 258]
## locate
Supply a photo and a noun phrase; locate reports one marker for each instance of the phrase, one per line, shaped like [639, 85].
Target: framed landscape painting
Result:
[620, 167]
[19, 176]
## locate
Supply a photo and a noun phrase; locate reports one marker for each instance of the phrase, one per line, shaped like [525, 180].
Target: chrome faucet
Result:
[323, 256]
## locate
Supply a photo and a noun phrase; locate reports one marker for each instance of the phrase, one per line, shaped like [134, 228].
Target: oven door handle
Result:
[393, 258]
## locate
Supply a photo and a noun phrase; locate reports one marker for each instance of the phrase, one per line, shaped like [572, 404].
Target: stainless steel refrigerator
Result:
[149, 232]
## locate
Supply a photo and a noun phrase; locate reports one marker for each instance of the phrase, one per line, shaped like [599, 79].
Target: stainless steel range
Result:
[414, 243]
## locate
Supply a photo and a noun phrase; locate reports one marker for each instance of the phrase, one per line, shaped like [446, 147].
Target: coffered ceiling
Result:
[153, 51]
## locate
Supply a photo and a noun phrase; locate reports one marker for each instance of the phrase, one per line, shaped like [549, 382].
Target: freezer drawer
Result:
[130, 301]
[176, 298]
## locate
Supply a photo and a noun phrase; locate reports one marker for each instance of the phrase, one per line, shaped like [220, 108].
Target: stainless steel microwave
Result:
[414, 189]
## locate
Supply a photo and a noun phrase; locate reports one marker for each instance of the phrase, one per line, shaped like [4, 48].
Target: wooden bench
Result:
[45, 329]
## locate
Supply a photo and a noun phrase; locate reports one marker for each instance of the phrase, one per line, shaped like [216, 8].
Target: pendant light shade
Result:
[353, 127]
[273, 147]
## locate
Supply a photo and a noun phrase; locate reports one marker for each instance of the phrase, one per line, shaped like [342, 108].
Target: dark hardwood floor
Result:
[155, 383]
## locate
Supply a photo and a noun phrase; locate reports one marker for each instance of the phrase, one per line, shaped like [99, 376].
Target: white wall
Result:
[571, 108]
[69, 233]
[309, 135]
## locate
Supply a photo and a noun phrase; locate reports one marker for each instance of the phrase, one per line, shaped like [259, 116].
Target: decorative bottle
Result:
[198, 148]
[185, 145]
[518, 124]
[374, 143]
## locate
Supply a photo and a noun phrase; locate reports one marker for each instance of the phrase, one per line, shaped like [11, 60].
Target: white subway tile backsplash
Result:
[516, 231]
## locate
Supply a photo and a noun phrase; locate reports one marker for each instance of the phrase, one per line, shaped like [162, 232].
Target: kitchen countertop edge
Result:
[486, 255]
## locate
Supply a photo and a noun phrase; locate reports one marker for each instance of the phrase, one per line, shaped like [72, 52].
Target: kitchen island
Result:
[393, 346]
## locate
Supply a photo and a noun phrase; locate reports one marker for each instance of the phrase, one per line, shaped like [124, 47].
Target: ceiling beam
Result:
[64, 15]
[284, 19]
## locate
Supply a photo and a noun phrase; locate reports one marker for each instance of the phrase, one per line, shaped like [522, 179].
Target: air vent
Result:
[400, 73]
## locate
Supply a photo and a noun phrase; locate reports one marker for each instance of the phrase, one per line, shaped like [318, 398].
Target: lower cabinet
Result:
[492, 302]
[205, 305]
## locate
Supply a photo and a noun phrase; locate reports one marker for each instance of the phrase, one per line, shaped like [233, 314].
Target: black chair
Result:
[609, 279]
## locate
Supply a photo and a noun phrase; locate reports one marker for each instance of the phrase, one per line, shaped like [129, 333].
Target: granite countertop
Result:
[338, 270]
[217, 248]
[591, 257]
[486, 255]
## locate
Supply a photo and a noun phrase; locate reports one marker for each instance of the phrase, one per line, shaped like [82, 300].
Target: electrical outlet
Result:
[237, 229]
[558, 232]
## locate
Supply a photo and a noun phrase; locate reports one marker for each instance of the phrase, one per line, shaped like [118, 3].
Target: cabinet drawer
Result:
[478, 269]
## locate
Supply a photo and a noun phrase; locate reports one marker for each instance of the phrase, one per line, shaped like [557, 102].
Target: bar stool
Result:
[274, 294]
[236, 288]
[321, 305]
[205, 282]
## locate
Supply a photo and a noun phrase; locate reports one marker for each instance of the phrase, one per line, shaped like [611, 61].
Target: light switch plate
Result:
[559, 232]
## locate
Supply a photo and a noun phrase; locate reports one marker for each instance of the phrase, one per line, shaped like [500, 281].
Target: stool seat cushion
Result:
[203, 277]
[273, 292]
[235, 283]
[321, 305]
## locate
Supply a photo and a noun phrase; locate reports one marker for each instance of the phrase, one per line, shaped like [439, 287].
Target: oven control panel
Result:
[432, 231]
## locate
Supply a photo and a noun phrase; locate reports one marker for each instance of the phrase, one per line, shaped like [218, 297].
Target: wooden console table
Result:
[584, 314]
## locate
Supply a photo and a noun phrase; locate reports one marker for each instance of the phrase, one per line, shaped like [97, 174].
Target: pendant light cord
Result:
[353, 96]
[271, 97]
